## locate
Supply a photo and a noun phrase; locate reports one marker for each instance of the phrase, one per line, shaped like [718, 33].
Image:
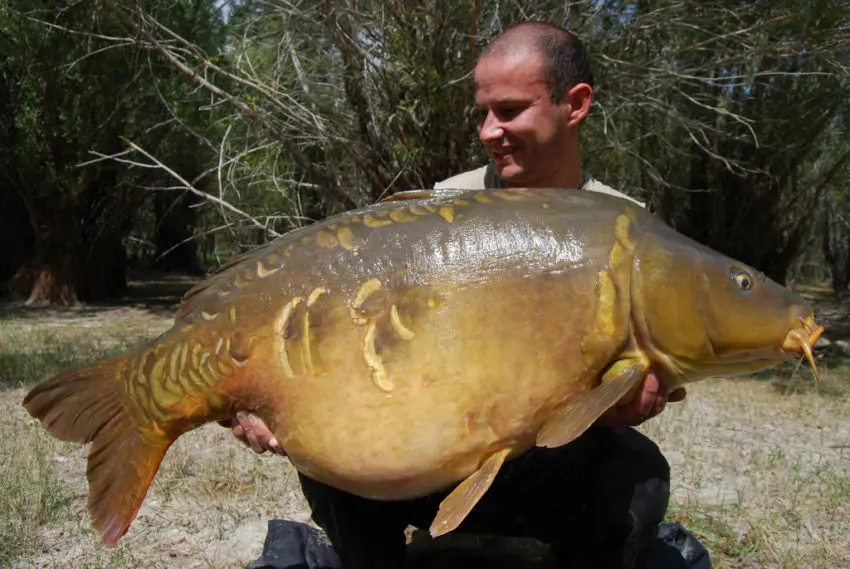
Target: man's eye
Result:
[509, 112]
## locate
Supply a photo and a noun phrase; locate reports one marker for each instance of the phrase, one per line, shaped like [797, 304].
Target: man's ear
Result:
[579, 98]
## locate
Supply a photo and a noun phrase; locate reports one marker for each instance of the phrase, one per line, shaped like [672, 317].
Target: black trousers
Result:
[597, 501]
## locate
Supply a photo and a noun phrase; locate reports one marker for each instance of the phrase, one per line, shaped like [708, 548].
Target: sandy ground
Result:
[760, 466]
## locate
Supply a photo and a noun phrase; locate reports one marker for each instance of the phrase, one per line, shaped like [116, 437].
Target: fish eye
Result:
[743, 279]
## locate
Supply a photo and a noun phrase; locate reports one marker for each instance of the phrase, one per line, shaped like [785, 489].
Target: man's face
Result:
[526, 135]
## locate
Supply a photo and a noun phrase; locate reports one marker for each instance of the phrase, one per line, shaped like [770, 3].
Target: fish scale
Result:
[417, 344]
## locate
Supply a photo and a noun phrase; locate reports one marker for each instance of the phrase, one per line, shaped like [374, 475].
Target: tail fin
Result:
[87, 405]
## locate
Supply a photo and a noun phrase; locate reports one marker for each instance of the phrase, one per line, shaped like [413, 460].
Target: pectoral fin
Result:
[460, 502]
[575, 417]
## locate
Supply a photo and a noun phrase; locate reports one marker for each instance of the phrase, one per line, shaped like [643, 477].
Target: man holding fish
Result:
[485, 336]
[598, 501]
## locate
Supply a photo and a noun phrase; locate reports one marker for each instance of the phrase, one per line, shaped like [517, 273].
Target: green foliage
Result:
[721, 115]
[717, 113]
[372, 97]
[74, 94]
[725, 116]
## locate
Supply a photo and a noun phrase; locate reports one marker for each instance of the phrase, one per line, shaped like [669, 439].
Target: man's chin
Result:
[510, 175]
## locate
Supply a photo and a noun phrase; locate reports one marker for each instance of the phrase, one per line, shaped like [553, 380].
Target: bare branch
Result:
[186, 185]
[254, 114]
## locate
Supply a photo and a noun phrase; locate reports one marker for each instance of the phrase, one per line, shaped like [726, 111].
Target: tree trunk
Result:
[62, 276]
[837, 257]
[176, 248]
[46, 280]
[65, 268]
[16, 236]
[50, 272]
[104, 270]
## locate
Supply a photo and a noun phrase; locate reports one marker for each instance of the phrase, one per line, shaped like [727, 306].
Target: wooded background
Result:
[170, 135]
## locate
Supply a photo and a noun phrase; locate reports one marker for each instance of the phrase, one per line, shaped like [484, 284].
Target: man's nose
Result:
[491, 128]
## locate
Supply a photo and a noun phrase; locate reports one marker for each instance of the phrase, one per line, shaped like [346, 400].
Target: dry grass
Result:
[761, 466]
[207, 508]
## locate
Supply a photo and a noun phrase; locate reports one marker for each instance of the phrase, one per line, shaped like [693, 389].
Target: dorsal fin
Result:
[224, 274]
[423, 194]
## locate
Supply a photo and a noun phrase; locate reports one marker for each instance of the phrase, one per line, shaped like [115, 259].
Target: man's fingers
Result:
[248, 422]
[275, 447]
[254, 433]
[651, 384]
[650, 401]
[658, 407]
[652, 395]
[244, 430]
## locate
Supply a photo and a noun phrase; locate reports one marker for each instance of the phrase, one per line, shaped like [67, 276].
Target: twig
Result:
[186, 185]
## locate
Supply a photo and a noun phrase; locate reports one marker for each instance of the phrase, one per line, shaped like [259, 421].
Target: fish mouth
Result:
[800, 341]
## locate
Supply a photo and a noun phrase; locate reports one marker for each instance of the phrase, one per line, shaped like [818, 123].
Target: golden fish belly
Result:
[391, 417]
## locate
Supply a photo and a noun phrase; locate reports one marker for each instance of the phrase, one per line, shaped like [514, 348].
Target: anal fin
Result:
[574, 418]
[457, 505]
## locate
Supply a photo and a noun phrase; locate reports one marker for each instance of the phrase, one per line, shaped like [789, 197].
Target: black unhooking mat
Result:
[295, 545]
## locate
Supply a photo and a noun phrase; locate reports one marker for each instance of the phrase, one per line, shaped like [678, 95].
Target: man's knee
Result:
[636, 463]
[366, 534]
[641, 454]
[332, 507]
[320, 497]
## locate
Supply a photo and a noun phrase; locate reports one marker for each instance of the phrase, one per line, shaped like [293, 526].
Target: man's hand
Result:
[646, 404]
[252, 431]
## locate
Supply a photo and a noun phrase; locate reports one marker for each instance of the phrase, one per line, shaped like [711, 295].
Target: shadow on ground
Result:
[831, 355]
[159, 295]
[796, 378]
[37, 341]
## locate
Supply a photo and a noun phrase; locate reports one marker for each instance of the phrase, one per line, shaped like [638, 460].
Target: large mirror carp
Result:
[418, 343]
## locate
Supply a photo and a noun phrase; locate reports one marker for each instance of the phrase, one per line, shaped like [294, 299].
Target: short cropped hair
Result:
[565, 58]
